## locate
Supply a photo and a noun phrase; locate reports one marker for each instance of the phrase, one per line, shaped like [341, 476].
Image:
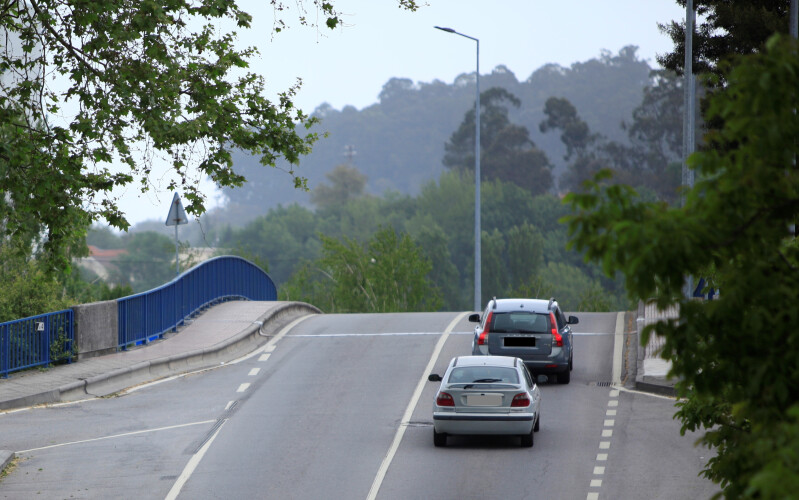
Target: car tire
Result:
[439, 438]
[527, 439]
[537, 426]
[564, 377]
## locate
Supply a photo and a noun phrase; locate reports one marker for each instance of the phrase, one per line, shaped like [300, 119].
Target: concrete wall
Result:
[96, 328]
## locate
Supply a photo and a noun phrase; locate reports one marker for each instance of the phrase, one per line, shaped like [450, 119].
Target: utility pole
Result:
[689, 116]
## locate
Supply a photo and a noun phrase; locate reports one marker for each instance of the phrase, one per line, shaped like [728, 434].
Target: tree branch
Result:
[78, 54]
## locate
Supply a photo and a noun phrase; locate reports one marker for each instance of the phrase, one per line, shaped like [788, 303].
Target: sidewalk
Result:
[219, 334]
[652, 370]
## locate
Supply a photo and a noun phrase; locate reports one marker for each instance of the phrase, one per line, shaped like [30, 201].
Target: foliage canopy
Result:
[733, 356]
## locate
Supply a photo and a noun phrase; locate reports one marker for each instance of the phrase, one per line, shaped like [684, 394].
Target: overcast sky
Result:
[379, 41]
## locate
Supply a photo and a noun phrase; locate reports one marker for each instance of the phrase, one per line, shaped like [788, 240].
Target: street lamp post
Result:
[477, 232]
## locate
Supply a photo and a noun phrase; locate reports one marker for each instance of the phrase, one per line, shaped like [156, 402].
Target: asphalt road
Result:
[340, 408]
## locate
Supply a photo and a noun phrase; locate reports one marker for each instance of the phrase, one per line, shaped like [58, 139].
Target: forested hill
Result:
[398, 143]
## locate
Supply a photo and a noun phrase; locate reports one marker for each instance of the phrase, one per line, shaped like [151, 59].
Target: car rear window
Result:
[484, 374]
[519, 322]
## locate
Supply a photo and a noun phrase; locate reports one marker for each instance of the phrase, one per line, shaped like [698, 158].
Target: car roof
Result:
[484, 361]
[533, 305]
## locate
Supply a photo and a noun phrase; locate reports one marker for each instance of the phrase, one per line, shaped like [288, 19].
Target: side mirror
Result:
[434, 377]
[474, 318]
[573, 320]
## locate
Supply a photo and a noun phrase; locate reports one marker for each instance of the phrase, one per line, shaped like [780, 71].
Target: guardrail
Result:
[149, 315]
[36, 341]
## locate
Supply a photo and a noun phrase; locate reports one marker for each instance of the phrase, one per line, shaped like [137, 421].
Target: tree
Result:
[148, 263]
[506, 151]
[346, 183]
[387, 274]
[733, 356]
[725, 28]
[144, 83]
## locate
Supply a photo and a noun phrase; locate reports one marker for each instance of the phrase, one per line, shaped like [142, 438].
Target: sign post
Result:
[176, 217]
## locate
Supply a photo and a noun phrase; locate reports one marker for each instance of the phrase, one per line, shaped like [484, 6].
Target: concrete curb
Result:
[146, 371]
[6, 457]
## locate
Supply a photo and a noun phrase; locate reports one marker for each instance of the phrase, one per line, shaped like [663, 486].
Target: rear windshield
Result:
[520, 322]
[483, 374]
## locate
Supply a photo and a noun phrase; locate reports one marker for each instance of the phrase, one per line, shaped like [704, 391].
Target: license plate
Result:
[483, 399]
[519, 341]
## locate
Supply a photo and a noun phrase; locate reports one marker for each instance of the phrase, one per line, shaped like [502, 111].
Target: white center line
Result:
[264, 357]
[596, 483]
[610, 413]
[604, 445]
[606, 433]
[613, 402]
[189, 469]
[243, 387]
[610, 423]
[599, 470]
[602, 457]
[381, 472]
[592, 496]
[254, 372]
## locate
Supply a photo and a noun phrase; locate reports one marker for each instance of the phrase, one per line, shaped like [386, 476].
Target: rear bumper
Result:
[482, 423]
[536, 364]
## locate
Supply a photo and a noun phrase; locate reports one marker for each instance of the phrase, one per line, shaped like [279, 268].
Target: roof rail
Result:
[551, 300]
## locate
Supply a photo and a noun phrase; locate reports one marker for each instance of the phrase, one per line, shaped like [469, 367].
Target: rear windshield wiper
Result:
[482, 381]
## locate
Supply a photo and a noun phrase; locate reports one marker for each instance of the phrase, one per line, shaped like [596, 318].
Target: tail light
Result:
[482, 339]
[445, 399]
[556, 337]
[520, 400]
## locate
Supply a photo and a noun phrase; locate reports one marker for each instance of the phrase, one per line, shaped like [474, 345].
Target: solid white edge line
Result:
[618, 346]
[193, 463]
[126, 434]
[406, 417]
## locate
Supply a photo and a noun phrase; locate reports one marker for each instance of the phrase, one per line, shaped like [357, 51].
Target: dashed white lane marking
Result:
[618, 346]
[264, 357]
[243, 387]
[228, 405]
[126, 434]
[193, 463]
[254, 372]
[406, 417]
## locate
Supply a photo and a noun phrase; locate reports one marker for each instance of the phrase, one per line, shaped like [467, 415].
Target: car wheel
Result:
[439, 438]
[537, 426]
[564, 377]
[527, 439]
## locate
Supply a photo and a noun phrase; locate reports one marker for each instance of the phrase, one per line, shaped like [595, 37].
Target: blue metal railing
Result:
[148, 315]
[35, 341]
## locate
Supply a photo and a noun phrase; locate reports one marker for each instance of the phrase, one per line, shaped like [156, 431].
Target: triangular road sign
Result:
[177, 215]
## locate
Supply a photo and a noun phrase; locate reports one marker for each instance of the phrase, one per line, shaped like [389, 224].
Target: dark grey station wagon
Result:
[534, 330]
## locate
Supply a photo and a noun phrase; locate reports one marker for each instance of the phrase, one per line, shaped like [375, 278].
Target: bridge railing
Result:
[149, 315]
[36, 341]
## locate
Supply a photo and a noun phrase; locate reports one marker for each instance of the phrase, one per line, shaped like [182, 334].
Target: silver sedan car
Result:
[486, 395]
